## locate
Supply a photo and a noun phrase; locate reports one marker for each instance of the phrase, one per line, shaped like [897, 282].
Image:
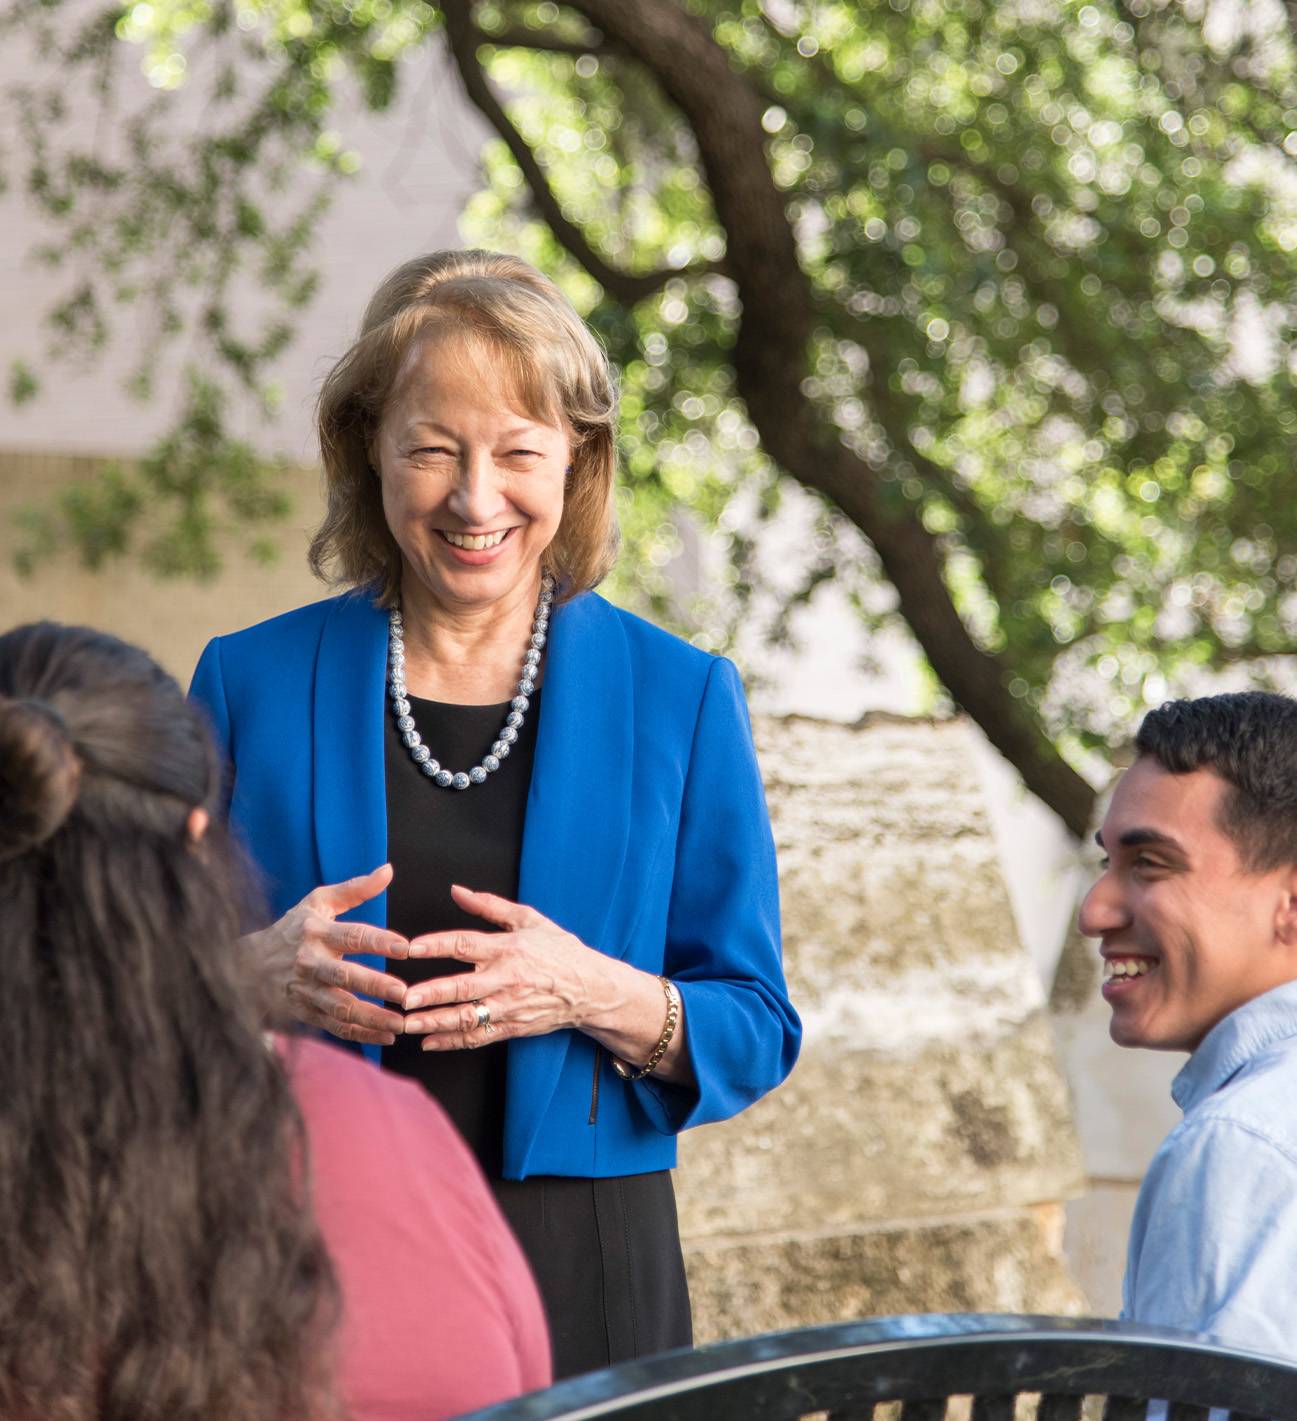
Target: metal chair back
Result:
[932, 1367]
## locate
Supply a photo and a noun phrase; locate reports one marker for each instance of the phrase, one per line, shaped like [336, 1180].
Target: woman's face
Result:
[472, 484]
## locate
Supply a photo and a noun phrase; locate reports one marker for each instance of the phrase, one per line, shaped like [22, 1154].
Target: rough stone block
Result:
[1006, 1263]
[902, 1166]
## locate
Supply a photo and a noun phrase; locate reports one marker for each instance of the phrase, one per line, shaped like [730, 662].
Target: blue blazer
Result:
[646, 835]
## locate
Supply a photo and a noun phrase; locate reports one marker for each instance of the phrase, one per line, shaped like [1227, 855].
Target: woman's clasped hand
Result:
[523, 975]
[307, 950]
[530, 975]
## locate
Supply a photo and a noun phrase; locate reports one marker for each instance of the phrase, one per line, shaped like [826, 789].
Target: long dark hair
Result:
[156, 1257]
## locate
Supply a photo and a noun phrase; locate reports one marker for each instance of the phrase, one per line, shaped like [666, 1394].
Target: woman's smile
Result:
[475, 549]
[476, 542]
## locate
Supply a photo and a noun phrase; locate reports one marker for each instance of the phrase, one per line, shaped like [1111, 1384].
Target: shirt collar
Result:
[1234, 1041]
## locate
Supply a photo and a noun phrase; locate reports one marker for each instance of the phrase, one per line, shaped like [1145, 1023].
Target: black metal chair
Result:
[998, 1368]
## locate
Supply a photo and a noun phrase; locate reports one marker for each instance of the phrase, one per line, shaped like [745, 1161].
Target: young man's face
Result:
[1188, 932]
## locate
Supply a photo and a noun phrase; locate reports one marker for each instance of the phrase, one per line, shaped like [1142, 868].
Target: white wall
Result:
[419, 164]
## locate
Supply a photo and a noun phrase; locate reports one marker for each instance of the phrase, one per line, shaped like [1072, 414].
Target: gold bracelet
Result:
[628, 1073]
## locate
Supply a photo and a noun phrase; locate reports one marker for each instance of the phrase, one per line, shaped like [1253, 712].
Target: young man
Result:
[1196, 911]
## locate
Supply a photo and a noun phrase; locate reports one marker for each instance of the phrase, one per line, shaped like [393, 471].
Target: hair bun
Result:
[39, 774]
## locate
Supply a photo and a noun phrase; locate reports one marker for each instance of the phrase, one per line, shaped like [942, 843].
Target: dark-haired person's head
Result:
[1196, 908]
[157, 1257]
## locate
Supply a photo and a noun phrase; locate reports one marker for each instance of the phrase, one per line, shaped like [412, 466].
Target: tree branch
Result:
[771, 360]
[627, 287]
[520, 37]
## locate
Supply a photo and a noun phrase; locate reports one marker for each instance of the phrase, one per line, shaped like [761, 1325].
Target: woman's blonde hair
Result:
[547, 355]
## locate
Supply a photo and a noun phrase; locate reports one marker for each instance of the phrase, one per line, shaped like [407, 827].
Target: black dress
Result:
[605, 1252]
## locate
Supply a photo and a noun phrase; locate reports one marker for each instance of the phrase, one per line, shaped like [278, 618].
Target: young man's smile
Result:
[1187, 928]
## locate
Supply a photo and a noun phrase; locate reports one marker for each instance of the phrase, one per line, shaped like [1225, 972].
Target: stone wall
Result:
[919, 1156]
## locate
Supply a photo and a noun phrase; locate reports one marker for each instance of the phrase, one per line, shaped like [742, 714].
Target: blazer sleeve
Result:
[207, 691]
[723, 940]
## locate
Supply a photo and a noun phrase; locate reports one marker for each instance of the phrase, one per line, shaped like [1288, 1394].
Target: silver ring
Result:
[483, 1014]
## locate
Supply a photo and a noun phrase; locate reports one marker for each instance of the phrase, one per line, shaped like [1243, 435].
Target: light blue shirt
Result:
[1213, 1244]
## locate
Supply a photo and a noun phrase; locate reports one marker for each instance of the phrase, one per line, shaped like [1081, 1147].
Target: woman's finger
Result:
[361, 1031]
[457, 1017]
[362, 1035]
[337, 898]
[447, 991]
[467, 1040]
[463, 1018]
[504, 912]
[458, 946]
[355, 939]
[352, 977]
[342, 1014]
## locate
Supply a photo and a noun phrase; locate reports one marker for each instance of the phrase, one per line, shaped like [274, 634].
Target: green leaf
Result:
[23, 383]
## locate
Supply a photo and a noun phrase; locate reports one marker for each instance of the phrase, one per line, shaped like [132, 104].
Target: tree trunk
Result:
[771, 360]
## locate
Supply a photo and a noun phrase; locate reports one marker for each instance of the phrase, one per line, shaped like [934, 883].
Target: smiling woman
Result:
[584, 890]
[472, 495]
[489, 328]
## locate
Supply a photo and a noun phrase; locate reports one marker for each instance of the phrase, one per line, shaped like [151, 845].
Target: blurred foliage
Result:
[1052, 247]
[23, 383]
[169, 509]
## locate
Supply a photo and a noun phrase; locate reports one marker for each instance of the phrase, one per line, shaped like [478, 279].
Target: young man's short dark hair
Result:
[1249, 738]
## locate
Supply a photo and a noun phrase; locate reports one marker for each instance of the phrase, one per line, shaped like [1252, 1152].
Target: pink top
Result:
[441, 1314]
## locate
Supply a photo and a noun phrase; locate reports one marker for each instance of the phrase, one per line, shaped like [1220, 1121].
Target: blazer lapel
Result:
[578, 822]
[350, 804]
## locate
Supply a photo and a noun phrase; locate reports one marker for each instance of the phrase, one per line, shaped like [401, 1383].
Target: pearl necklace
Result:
[419, 752]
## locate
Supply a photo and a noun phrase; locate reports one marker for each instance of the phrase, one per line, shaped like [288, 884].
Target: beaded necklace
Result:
[518, 706]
